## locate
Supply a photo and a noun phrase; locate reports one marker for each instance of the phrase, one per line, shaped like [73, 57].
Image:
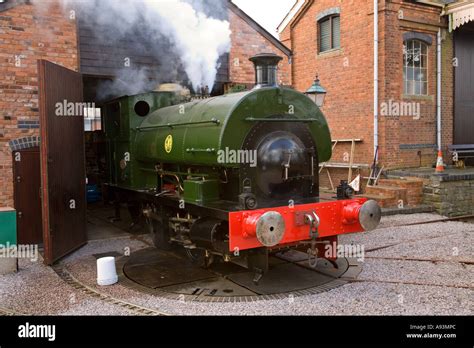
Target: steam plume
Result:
[180, 34]
[200, 40]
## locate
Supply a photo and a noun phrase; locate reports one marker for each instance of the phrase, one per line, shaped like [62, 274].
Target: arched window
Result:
[329, 33]
[415, 67]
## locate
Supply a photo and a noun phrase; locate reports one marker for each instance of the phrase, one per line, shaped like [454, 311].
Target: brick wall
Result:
[26, 35]
[247, 42]
[347, 74]
[285, 37]
[405, 140]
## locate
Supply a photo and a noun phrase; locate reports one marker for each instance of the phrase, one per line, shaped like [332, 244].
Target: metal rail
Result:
[76, 284]
[173, 125]
[9, 312]
[457, 218]
[300, 120]
[410, 283]
[417, 259]
[403, 242]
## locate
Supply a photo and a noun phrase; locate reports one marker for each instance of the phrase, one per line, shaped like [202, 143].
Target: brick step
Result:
[383, 200]
[397, 193]
[414, 188]
[405, 183]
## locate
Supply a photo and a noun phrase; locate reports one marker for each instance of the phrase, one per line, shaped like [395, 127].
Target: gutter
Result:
[438, 91]
[376, 79]
[431, 3]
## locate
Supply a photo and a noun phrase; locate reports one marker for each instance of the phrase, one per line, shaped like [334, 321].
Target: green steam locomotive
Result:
[234, 176]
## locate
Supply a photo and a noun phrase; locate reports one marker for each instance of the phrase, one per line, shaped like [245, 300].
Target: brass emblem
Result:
[169, 143]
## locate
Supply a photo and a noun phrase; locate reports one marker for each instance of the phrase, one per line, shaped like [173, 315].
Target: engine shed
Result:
[59, 61]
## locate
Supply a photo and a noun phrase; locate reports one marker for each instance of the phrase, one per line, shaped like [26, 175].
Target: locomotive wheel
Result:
[159, 235]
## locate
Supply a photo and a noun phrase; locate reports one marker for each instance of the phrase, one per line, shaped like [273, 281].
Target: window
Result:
[415, 67]
[329, 33]
[92, 119]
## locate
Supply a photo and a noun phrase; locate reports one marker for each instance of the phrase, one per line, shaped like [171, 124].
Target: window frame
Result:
[329, 18]
[425, 68]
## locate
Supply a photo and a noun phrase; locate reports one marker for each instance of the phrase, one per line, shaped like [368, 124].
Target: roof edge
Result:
[12, 3]
[307, 4]
[249, 20]
[290, 15]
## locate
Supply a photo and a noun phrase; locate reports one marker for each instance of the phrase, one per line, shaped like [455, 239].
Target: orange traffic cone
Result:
[439, 163]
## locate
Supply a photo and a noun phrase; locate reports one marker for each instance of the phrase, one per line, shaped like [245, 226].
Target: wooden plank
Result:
[330, 179]
[350, 166]
[347, 140]
[351, 161]
[344, 165]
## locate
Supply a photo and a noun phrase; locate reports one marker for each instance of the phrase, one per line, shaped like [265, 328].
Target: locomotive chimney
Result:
[266, 67]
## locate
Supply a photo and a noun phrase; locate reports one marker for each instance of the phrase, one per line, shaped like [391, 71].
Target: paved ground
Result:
[408, 270]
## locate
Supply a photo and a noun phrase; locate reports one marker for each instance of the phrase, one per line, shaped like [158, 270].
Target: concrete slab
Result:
[8, 265]
[100, 223]
[99, 229]
[426, 173]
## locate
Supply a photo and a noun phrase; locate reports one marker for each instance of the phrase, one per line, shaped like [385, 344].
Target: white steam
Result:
[199, 40]
[195, 39]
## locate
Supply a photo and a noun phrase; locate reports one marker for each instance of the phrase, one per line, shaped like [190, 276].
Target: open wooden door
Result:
[63, 174]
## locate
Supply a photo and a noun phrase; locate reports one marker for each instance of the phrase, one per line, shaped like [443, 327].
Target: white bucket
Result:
[106, 271]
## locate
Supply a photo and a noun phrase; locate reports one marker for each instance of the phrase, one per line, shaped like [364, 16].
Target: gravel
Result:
[454, 246]
[388, 236]
[394, 220]
[95, 307]
[37, 290]
[361, 298]
[425, 273]
[386, 286]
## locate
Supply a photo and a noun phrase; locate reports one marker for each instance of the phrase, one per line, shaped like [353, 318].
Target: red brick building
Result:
[26, 36]
[248, 39]
[335, 39]
[28, 33]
